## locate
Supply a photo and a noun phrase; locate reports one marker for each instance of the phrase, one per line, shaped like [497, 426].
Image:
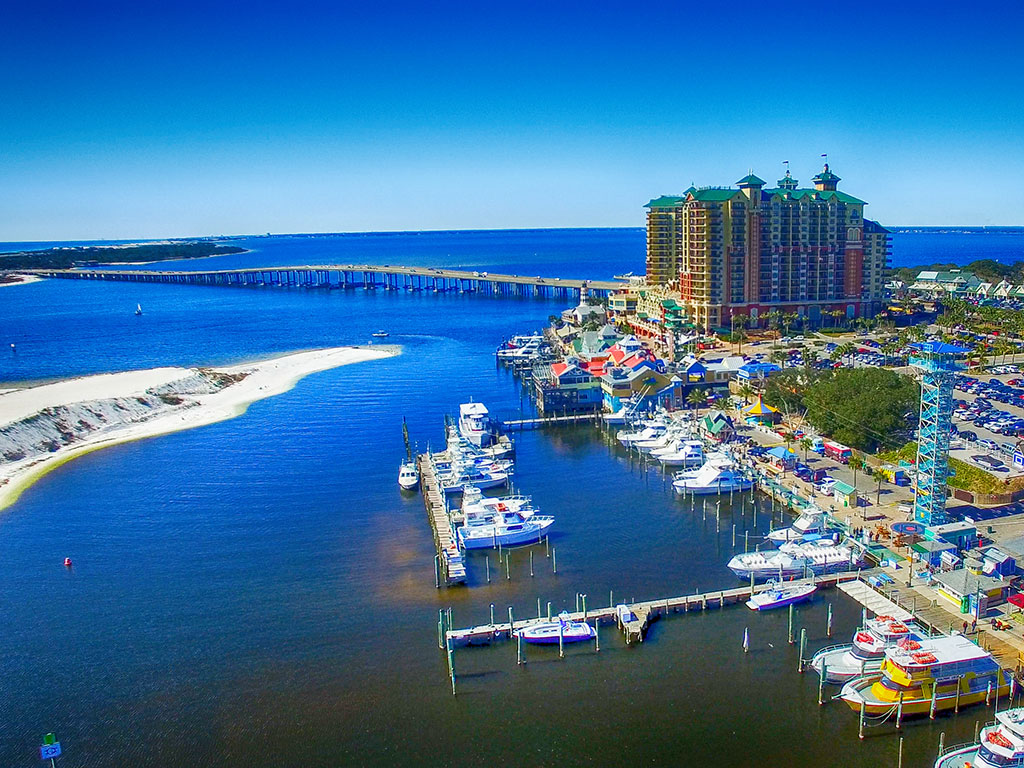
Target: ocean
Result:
[259, 592]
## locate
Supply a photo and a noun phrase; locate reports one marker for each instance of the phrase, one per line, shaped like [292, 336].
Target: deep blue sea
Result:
[258, 592]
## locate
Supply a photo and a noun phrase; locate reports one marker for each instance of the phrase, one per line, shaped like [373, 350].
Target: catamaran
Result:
[796, 561]
[939, 672]
[842, 663]
[1000, 744]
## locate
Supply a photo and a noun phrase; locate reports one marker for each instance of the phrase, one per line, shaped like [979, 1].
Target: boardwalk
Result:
[449, 567]
[521, 424]
[368, 276]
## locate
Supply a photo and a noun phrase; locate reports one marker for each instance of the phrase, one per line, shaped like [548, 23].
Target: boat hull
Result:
[840, 666]
[959, 758]
[528, 535]
[764, 602]
[548, 635]
[922, 706]
[682, 487]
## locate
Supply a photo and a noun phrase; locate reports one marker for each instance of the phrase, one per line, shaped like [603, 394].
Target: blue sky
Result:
[137, 120]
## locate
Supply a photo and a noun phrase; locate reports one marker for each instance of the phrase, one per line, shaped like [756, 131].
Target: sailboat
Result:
[138, 309]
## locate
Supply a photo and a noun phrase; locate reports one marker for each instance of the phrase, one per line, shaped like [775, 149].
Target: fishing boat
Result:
[561, 628]
[809, 524]
[842, 663]
[620, 416]
[380, 335]
[457, 477]
[940, 672]
[797, 561]
[475, 424]
[408, 476]
[649, 432]
[1000, 744]
[718, 475]
[491, 528]
[779, 595]
[475, 503]
[138, 309]
[688, 454]
[501, 445]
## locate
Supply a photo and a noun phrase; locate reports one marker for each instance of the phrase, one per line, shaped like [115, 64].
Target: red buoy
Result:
[67, 562]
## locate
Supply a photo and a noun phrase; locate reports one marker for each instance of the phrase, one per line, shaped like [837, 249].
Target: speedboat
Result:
[809, 524]
[688, 454]
[865, 654]
[779, 595]
[475, 424]
[939, 672]
[489, 529]
[1000, 744]
[649, 432]
[797, 561]
[408, 476]
[718, 475]
[549, 632]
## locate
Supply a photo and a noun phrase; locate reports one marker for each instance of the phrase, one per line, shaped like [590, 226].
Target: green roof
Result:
[844, 488]
[751, 181]
[670, 304]
[665, 201]
[826, 175]
[796, 194]
[714, 194]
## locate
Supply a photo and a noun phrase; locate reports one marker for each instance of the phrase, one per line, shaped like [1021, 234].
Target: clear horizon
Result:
[135, 123]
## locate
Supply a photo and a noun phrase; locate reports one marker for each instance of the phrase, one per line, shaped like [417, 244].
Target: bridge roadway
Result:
[368, 276]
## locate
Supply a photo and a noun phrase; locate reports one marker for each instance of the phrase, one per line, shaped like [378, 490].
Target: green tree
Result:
[879, 477]
[696, 398]
[745, 391]
[805, 444]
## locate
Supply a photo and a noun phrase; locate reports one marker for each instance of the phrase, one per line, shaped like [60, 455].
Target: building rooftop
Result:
[964, 582]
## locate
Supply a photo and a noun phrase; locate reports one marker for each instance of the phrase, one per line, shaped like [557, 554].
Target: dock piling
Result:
[931, 709]
[899, 712]
[942, 742]
[899, 755]
[549, 610]
[487, 567]
[828, 621]
[531, 563]
[746, 640]
[508, 567]
[860, 727]
[554, 561]
[492, 614]
[821, 683]
[437, 571]
[803, 647]
[790, 623]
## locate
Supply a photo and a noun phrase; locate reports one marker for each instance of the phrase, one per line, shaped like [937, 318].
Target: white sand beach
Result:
[45, 426]
[21, 280]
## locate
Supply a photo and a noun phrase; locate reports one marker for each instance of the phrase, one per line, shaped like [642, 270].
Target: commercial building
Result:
[747, 251]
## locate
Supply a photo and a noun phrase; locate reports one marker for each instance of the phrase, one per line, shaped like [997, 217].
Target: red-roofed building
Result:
[567, 387]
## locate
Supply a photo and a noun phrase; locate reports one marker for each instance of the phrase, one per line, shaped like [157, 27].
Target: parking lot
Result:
[989, 418]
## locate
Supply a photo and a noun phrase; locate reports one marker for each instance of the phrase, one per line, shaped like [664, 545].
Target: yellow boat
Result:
[952, 671]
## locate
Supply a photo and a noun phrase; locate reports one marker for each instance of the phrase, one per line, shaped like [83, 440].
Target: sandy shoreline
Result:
[178, 410]
[22, 280]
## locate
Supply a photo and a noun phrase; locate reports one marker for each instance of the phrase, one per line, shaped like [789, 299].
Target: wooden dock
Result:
[543, 421]
[449, 567]
[645, 612]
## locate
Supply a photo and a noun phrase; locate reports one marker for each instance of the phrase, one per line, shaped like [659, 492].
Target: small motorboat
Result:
[778, 596]
[380, 335]
[408, 476]
[549, 632]
[138, 309]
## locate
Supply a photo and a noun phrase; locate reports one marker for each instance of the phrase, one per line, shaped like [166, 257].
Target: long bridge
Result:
[367, 276]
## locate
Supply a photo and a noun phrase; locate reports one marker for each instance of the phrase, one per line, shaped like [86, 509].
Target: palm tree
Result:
[879, 476]
[810, 358]
[695, 398]
[856, 462]
[746, 391]
[805, 443]
[739, 322]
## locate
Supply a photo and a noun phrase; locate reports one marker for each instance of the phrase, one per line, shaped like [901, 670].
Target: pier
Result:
[385, 277]
[448, 564]
[542, 421]
[645, 611]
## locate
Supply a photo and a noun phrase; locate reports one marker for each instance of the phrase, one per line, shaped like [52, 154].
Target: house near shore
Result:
[717, 426]
[567, 387]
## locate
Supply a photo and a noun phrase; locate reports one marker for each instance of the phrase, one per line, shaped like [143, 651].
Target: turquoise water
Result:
[258, 592]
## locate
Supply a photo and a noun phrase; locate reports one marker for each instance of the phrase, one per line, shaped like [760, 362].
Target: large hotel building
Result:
[748, 250]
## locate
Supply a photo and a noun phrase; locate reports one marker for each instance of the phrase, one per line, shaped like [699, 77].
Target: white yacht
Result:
[408, 476]
[810, 523]
[1000, 744]
[866, 653]
[486, 530]
[474, 503]
[688, 454]
[475, 424]
[661, 442]
[649, 432]
[501, 446]
[797, 561]
[718, 475]
[458, 478]
[527, 351]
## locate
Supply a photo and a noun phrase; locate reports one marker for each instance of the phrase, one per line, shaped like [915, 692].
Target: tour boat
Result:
[488, 529]
[549, 632]
[380, 335]
[842, 663]
[718, 475]
[799, 561]
[408, 476]
[475, 424]
[1000, 744]
[778, 595]
[940, 672]
[810, 523]
[688, 454]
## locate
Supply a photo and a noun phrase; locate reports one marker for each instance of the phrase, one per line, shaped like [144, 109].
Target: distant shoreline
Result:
[114, 408]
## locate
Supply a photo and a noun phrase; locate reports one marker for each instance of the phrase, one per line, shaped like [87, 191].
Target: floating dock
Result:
[645, 611]
[542, 421]
[448, 564]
